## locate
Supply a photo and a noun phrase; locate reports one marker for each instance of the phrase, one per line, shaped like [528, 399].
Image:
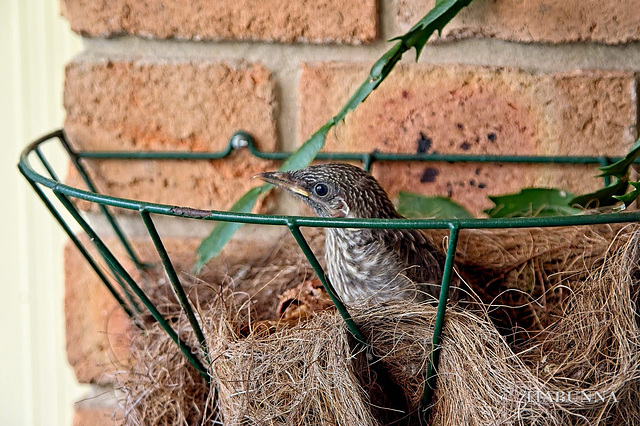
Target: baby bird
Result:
[365, 265]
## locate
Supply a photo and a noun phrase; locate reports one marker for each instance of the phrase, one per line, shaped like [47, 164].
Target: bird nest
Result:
[548, 334]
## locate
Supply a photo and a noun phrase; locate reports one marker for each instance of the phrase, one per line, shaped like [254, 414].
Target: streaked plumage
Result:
[365, 265]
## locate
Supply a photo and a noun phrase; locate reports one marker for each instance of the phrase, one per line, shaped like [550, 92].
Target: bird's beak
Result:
[283, 181]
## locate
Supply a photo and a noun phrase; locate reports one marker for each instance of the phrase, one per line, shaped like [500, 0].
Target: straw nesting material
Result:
[583, 368]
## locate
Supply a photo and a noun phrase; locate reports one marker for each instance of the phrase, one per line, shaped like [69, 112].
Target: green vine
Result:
[620, 172]
[416, 38]
[528, 202]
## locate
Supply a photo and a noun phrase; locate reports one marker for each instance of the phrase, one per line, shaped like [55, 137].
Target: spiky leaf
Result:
[211, 246]
[307, 152]
[533, 202]
[436, 19]
[603, 197]
[420, 206]
[631, 196]
[620, 169]
[443, 12]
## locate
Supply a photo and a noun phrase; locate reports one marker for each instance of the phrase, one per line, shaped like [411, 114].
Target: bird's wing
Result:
[424, 261]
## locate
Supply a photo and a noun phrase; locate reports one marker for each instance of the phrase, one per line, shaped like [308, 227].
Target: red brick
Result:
[97, 416]
[167, 105]
[317, 21]
[611, 22]
[460, 109]
[98, 330]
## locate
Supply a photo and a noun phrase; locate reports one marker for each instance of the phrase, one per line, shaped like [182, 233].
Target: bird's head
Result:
[335, 190]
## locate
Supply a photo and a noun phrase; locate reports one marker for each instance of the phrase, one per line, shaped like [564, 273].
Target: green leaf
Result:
[378, 72]
[443, 12]
[211, 246]
[630, 197]
[603, 197]
[417, 37]
[307, 151]
[533, 202]
[420, 206]
[620, 169]
[436, 19]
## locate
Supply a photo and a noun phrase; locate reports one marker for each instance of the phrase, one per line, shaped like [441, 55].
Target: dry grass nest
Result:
[551, 335]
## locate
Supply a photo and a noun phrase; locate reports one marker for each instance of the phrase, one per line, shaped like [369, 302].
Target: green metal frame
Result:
[241, 140]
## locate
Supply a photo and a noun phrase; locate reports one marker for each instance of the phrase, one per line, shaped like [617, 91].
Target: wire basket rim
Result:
[304, 221]
[145, 209]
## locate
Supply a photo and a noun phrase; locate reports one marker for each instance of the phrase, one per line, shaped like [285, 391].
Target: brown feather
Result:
[374, 265]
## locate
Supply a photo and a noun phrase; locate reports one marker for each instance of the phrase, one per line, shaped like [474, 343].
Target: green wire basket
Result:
[130, 294]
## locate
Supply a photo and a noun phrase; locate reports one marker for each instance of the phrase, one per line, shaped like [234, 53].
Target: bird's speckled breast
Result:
[361, 268]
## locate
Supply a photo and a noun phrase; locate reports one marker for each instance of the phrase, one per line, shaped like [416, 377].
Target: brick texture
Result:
[475, 110]
[98, 330]
[611, 22]
[163, 106]
[318, 21]
[97, 416]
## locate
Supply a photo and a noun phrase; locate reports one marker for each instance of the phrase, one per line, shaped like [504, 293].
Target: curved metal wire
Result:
[315, 222]
[242, 140]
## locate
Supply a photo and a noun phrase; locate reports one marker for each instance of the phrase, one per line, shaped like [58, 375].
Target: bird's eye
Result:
[321, 189]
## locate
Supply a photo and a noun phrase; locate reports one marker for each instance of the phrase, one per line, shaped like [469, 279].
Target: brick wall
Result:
[535, 77]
